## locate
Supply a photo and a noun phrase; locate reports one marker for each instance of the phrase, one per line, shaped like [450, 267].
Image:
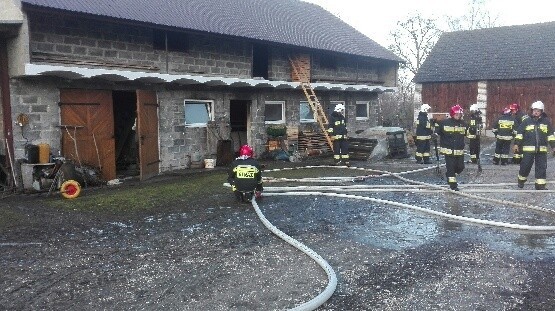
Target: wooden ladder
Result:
[313, 101]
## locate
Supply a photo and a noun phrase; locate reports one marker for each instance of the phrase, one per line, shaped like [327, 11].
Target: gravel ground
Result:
[198, 252]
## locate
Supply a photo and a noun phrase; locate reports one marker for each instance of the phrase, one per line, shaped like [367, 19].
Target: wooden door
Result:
[147, 129]
[87, 125]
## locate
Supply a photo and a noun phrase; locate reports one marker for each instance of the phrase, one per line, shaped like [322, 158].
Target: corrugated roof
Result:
[149, 77]
[501, 53]
[289, 22]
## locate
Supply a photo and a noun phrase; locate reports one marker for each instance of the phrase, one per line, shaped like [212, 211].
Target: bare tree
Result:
[414, 39]
[477, 17]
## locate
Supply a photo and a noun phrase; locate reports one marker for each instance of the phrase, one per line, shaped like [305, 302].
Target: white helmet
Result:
[537, 105]
[425, 108]
[474, 107]
[339, 108]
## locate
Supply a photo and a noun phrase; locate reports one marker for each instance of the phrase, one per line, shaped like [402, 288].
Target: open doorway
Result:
[239, 122]
[260, 61]
[125, 127]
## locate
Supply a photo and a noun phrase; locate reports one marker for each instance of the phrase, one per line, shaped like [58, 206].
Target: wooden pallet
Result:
[313, 143]
[361, 148]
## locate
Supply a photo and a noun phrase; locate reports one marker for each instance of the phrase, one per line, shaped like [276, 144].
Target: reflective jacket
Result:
[245, 175]
[533, 135]
[452, 133]
[474, 125]
[337, 128]
[504, 127]
[519, 117]
[423, 127]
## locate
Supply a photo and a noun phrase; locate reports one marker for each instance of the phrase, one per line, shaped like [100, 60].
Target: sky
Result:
[376, 19]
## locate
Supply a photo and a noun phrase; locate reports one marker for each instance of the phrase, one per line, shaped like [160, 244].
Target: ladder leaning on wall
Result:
[319, 115]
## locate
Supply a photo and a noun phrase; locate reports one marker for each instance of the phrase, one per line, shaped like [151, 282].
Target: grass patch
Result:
[148, 196]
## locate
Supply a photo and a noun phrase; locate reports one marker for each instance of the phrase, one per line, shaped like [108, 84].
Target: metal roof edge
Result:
[68, 72]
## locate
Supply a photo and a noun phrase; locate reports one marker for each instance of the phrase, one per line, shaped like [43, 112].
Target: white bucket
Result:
[209, 163]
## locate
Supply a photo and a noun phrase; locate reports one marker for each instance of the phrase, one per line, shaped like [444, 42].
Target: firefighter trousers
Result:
[422, 150]
[540, 160]
[454, 165]
[474, 148]
[502, 149]
[341, 150]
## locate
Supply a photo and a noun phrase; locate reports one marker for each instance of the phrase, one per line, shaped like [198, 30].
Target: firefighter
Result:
[504, 131]
[424, 131]
[452, 132]
[474, 130]
[519, 116]
[337, 130]
[245, 175]
[532, 139]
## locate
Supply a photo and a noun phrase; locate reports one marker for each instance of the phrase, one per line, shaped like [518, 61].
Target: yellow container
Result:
[44, 153]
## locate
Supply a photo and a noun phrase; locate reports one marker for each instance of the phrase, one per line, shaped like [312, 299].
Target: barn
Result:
[491, 67]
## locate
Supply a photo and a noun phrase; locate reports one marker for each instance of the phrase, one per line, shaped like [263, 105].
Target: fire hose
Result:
[416, 185]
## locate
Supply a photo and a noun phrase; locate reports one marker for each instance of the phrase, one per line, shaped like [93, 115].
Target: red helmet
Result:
[514, 107]
[455, 109]
[246, 150]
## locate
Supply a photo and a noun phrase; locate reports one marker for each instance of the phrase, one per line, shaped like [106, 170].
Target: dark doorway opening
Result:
[239, 122]
[125, 126]
[260, 61]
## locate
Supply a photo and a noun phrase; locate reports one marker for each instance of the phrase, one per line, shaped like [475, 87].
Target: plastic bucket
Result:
[209, 163]
[44, 153]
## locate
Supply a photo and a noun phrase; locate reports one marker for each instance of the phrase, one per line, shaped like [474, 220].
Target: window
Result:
[363, 109]
[274, 112]
[177, 41]
[305, 112]
[198, 112]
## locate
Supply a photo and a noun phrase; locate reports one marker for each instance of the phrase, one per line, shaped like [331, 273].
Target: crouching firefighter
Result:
[245, 176]
[533, 137]
[337, 130]
[452, 132]
[423, 136]
[474, 130]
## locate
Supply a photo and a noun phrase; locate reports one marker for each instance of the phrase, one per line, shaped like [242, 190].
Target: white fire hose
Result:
[416, 186]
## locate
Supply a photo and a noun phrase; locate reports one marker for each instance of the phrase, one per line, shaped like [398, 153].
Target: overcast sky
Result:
[376, 19]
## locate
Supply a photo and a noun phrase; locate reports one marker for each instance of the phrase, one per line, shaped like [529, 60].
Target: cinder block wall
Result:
[116, 44]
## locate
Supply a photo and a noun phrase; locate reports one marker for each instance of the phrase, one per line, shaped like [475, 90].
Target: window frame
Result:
[275, 102]
[313, 120]
[198, 101]
[363, 102]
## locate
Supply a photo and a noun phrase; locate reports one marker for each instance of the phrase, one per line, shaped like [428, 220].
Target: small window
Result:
[177, 41]
[198, 112]
[305, 112]
[363, 109]
[274, 112]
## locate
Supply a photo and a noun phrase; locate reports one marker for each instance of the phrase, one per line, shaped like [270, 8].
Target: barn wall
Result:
[523, 92]
[441, 96]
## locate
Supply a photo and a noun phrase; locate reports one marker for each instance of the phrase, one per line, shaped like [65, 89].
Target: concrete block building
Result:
[97, 79]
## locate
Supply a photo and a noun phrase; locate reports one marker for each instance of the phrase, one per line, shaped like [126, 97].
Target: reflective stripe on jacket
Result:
[533, 135]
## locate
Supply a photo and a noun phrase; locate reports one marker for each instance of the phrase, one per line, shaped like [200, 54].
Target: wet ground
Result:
[191, 247]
